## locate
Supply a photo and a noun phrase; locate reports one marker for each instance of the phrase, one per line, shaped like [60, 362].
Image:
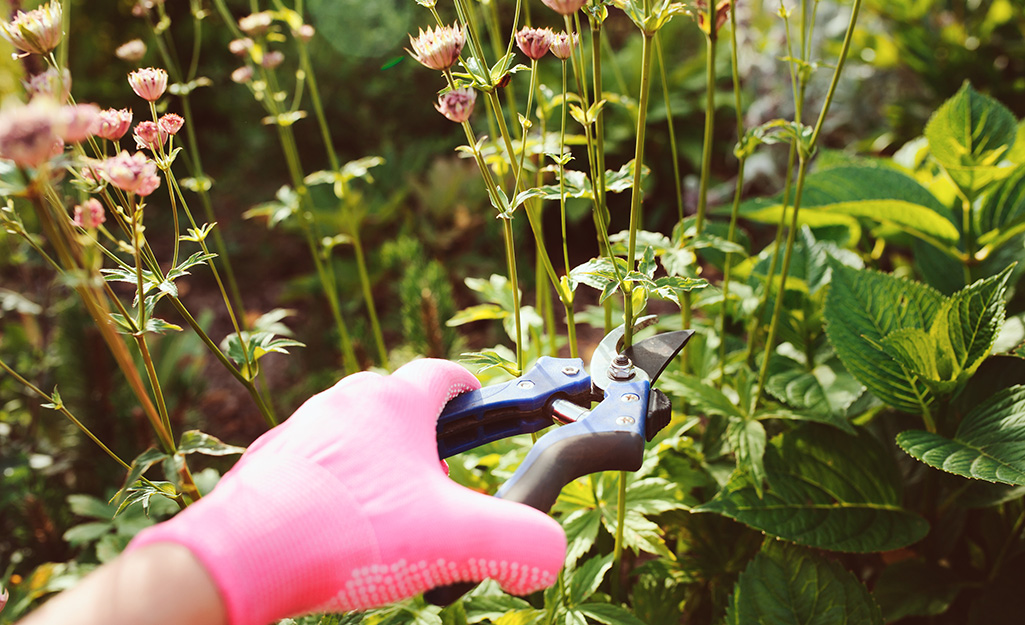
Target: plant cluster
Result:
[845, 442]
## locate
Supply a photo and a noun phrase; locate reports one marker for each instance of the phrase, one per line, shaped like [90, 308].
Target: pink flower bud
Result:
[170, 123]
[256, 23]
[149, 83]
[79, 121]
[438, 48]
[131, 51]
[457, 105]
[563, 44]
[272, 59]
[565, 7]
[132, 173]
[242, 75]
[52, 84]
[240, 47]
[535, 42]
[112, 124]
[304, 33]
[90, 214]
[148, 135]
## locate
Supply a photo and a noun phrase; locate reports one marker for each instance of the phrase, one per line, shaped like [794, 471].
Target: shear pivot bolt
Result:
[621, 368]
[570, 370]
[625, 421]
[525, 384]
[630, 397]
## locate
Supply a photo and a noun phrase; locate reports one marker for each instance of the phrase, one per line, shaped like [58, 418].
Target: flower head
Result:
[148, 83]
[457, 105]
[31, 134]
[51, 83]
[148, 135]
[565, 7]
[535, 42]
[242, 75]
[112, 124]
[90, 214]
[79, 121]
[304, 33]
[240, 47]
[132, 173]
[170, 123]
[36, 32]
[438, 48]
[563, 44]
[131, 51]
[256, 23]
[272, 59]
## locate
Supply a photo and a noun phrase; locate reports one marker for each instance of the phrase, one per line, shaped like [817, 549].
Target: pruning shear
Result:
[608, 437]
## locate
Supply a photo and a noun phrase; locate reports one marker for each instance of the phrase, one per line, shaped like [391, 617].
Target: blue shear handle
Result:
[611, 438]
[517, 407]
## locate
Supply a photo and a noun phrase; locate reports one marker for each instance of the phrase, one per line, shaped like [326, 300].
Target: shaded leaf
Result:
[609, 614]
[196, 442]
[915, 588]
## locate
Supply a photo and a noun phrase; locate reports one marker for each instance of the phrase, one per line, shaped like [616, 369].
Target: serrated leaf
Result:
[196, 442]
[989, 444]
[139, 466]
[969, 135]
[586, 579]
[609, 614]
[703, 397]
[581, 528]
[747, 440]
[788, 584]
[862, 308]
[827, 389]
[919, 353]
[969, 322]
[489, 359]
[1002, 212]
[826, 490]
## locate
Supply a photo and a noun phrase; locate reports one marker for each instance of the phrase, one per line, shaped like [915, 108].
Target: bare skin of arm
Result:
[161, 584]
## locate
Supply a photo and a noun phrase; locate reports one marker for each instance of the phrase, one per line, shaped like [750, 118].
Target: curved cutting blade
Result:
[651, 356]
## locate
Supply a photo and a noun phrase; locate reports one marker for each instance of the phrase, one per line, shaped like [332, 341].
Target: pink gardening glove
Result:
[346, 506]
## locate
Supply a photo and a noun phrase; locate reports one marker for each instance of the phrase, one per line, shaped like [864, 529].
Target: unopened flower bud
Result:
[170, 123]
[112, 124]
[132, 173]
[240, 47]
[272, 59]
[535, 42]
[256, 23]
[131, 51]
[457, 105]
[148, 83]
[30, 134]
[149, 135]
[36, 32]
[563, 44]
[565, 7]
[90, 214]
[51, 84]
[438, 48]
[242, 75]
[304, 33]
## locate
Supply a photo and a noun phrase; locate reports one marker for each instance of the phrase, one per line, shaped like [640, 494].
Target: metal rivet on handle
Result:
[570, 370]
[629, 397]
[625, 421]
[525, 384]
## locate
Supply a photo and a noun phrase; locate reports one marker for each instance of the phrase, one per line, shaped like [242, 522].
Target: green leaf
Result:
[89, 506]
[747, 439]
[827, 490]
[586, 579]
[989, 444]
[788, 584]
[196, 442]
[1003, 210]
[86, 533]
[489, 359]
[581, 528]
[969, 322]
[862, 308]
[969, 135]
[143, 492]
[919, 353]
[140, 465]
[609, 614]
[825, 391]
[704, 397]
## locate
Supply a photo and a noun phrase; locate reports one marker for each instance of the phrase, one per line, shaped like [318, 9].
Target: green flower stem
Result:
[706, 151]
[672, 132]
[368, 297]
[617, 550]
[738, 193]
[635, 191]
[599, 148]
[803, 156]
[567, 299]
[510, 254]
[154, 380]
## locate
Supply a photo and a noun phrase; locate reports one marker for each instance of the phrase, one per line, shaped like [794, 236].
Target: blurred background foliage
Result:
[429, 225]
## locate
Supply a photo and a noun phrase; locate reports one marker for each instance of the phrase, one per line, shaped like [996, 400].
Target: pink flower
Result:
[112, 124]
[535, 42]
[36, 32]
[563, 44]
[149, 83]
[457, 105]
[3, 599]
[272, 59]
[565, 7]
[170, 123]
[51, 83]
[256, 23]
[132, 173]
[304, 33]
[90, 214]
[148, 135]
[79, 121]
[30, 134]
[131, 51]
[240, 47]
[438, 48]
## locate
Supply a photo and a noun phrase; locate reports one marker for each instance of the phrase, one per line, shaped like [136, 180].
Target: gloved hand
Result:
[346, 506]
